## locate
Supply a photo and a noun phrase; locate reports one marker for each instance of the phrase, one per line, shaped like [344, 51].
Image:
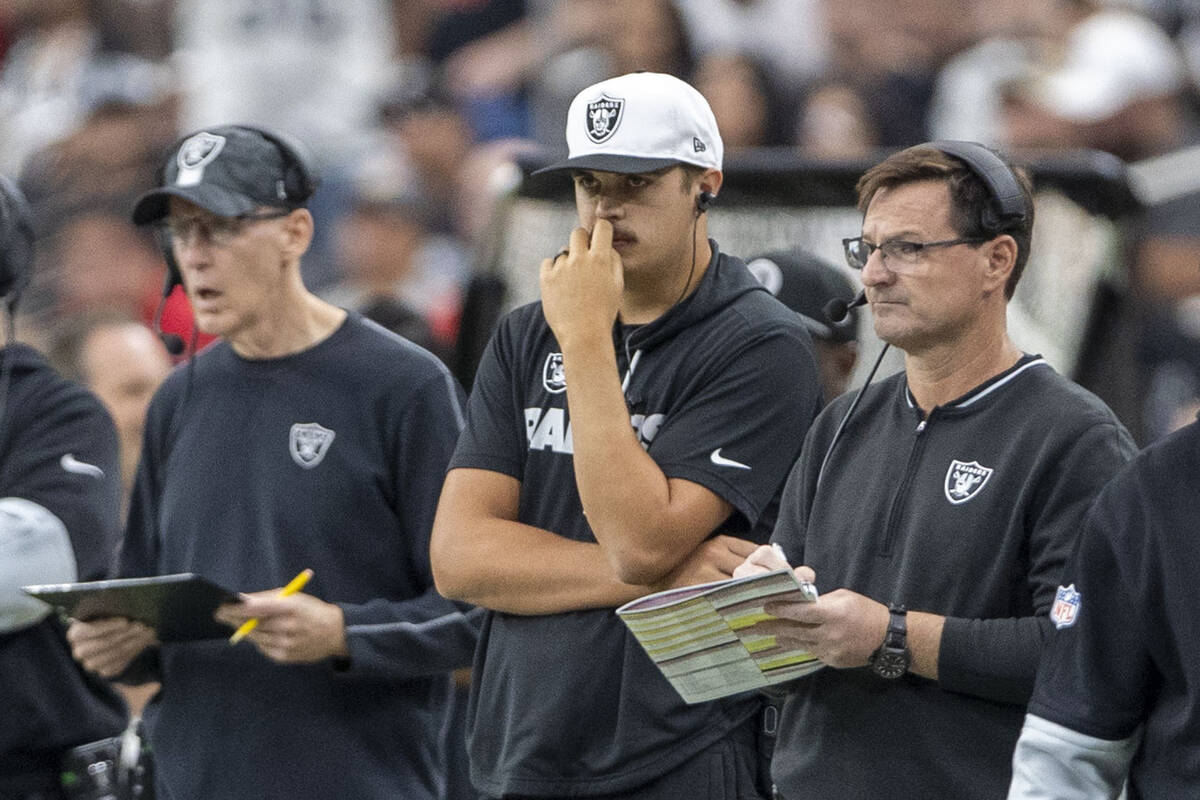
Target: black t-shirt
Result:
[720, 391]
[332, 459]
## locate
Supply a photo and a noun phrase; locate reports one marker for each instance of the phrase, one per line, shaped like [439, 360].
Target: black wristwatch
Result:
[892, 658]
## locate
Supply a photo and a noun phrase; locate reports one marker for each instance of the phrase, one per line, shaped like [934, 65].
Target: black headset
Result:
[1008, 206]
[16, 241]
[299, 183]
[703, 201]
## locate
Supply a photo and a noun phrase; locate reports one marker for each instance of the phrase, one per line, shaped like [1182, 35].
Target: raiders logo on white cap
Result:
[603, 117]
[640, 122]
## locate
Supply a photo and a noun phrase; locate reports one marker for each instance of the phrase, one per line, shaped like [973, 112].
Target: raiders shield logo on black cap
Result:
[194, 154]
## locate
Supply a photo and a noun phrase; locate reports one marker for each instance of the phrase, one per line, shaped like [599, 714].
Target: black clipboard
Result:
[178, 607]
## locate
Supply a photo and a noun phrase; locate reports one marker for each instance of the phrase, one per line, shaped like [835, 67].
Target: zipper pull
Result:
[921, 426]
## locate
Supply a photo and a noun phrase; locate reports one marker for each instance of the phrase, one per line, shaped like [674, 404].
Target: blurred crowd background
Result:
[412, 109]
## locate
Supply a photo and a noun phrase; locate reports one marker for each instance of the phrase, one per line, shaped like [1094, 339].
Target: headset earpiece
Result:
[704, 200]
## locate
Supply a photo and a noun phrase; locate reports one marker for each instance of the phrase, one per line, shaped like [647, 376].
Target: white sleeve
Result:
[1053, 762]
[34, 548]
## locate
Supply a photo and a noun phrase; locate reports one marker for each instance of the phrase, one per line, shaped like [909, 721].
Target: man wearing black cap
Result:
[307, 438]
[655, 397]
[59, 522]
[807, 285]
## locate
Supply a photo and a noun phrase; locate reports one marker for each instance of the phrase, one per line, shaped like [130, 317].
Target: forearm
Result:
[924, 642]
[421, 636]
[518, 569]
[625, 495]
[995, 659]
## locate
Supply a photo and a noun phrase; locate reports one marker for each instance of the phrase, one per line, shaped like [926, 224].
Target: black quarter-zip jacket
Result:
[720, 391]
[969, 513]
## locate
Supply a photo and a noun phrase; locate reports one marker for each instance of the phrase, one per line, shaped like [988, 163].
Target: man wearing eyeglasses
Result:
[937, 525]
[307, 438]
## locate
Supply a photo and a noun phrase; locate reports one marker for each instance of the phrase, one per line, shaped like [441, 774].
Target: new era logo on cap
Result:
[640, 122]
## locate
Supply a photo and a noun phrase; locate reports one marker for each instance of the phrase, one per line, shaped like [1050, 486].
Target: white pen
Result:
[779, 552]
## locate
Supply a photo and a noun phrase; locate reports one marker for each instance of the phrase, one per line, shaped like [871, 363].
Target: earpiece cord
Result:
[10, 336]
[837, 434]
[692, 271]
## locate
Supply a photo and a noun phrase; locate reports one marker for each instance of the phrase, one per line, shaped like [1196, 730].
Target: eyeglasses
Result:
[897, 253]
[214, 230]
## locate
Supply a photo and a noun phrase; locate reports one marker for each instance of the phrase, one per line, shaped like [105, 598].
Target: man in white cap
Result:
[632, 430]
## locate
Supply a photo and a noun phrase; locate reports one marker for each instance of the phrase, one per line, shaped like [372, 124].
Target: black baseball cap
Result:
[806, 283]
[229, 170]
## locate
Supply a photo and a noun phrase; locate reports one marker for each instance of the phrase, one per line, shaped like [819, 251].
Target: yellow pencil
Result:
[295, 585]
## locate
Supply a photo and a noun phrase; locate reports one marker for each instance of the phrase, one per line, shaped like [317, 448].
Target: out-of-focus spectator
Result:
[834, 123]
[312, 68]
[788, 37]
[489, 173]
[123, 363]
[894, 65]
[398, 271]
[968, 96]
[108, 160]
[101, 261]
[55, 72]
[1119, 84]
[95, 259]
[559, 47]
[744, 100]
[1113, 82]
[806, 284]
[431, 138]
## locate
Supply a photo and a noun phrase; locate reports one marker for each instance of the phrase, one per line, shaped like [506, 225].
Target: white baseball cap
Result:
[640, 122]
[1111, 59]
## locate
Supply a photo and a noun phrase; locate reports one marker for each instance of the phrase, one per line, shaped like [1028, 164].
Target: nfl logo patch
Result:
[1065, 610]
[603, 117]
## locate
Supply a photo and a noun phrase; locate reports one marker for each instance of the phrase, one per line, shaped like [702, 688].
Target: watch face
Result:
[891, 664]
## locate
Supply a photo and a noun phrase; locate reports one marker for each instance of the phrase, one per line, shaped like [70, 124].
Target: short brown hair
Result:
[969, 197]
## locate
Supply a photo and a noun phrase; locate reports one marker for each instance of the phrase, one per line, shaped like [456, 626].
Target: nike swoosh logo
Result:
[71, 464]
[721, 461]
